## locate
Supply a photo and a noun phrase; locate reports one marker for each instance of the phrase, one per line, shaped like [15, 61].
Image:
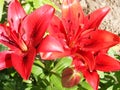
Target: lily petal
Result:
[5, 38]
[56, 28]
[92, 78]
[94, 19]
[88, 59]
[106, 63]
[15, 14]
[52, 48]
[72, 14]
[23, 62]
[54, 55]
[99, 40]
[2, 30]
[5, 60]
[36, 23]
[50, 44]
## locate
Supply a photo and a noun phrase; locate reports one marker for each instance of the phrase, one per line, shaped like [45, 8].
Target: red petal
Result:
[5, 37]
[50, 44]
[79, 64]
[5, 60]
[92, 78]
[54, 55]
[35, 24]
[70, 77]
[99, 40]
[84, 60]
[52, 48]
[107, 63]
[15, 14]
[12, 47]
[56, 27]
[72, 14]
[2, 30]
[94, 19]
[23, 62]
[88, 59]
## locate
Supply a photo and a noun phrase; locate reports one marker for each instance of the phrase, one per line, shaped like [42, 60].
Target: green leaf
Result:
[37, 3]
[101, 74]
[110, 88]
[62, 63]
[72, 88]
[39, 63]
[52, 4]
[85, 85]
[1, 8]
[117, 75]
[56, 81]
[36, 70]
[27, 81]
[3, 48]
[28, 8]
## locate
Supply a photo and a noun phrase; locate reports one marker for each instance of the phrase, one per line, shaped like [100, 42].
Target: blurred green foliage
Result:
[46, 75]
[1, 8]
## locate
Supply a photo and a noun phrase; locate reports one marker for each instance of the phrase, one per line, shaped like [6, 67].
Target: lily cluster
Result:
[75, 35]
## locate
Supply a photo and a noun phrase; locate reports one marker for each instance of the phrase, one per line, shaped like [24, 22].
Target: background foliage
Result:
[46, 75]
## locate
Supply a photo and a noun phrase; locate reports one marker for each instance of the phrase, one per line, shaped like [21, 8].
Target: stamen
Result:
[23, 46]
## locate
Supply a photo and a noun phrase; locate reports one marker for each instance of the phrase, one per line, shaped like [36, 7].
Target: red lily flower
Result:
[89, 63]
[77, 35]
[75, 31]
[23, 35]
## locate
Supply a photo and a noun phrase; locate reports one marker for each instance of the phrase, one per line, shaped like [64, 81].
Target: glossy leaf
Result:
[36, 70]
[62, 63]
[86, 85]
[55, 80]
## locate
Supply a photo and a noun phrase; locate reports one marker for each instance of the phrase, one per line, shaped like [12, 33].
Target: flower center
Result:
[23, 46]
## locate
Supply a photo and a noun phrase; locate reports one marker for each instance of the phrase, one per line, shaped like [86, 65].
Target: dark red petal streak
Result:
[5, 60]
[23, 62]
